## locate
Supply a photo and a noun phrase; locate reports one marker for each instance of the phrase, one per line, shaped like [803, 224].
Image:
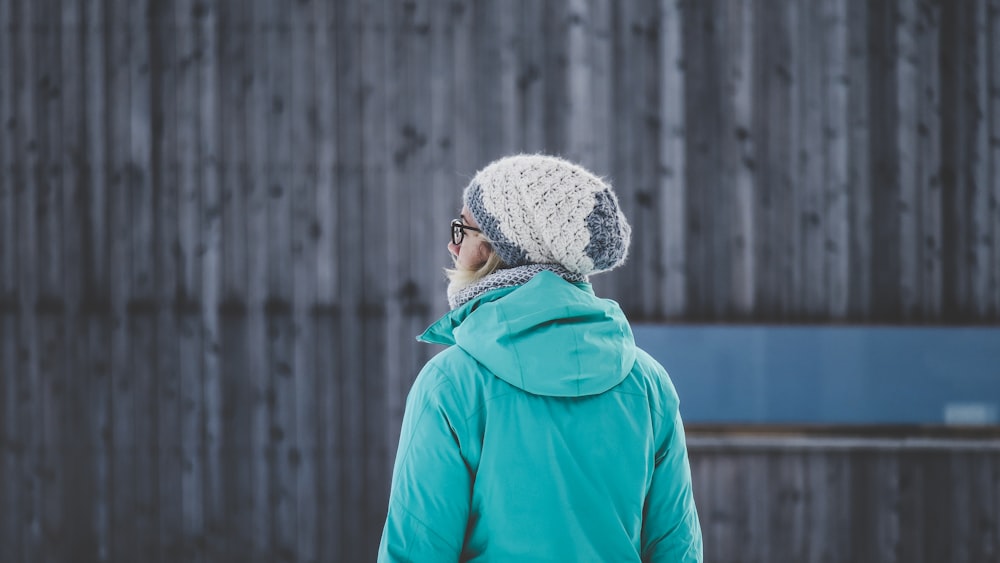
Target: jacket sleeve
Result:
[431, 484]
[670, 527]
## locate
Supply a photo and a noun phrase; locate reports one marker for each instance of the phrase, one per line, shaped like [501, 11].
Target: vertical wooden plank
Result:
[778, 159]
[8, 111]
[324, 232]
[905, 62]
[887, 279]
[809, 68]
[445, 183]
[509, 72]
[182, 521]
[11, 447]
[226, 420]
[955, 249]
[914, 508]
[188, 56]
[625, 138]
[464, 111]
[993, 32]
[600, 56]
[142, 276]
[859, 213]
[765, 301]
[75, 498]
[530, 82]
[326, 91]
[576, 25]
[54, 359]
[796, 237]
[762, 501]
[986, 484]
[963, 509]
[929, 161]
[163, 61]
[29, 386]
[836, 155]
[885, 480]
[740, 157]
[231, 529]
[646, 250]
[124, 440]
[307, 225]
[375, 292]
[981, 230]
[202, 425]
[50, 308]
[98, 432]
[146, 467]
[332, 512]
[283, 374]
[407, 180]
[282, 446]
[720, 519]
[48, 145]
[488, 112]
[258, 111]
[96, 273]
[326, 336]
[672, 168]
[349, 209]
[787, 485]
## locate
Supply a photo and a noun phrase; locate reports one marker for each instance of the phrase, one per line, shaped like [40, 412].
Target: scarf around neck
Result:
[507, 277]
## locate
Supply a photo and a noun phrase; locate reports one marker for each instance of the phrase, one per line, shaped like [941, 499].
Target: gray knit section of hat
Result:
[605, 223]
[510, 253]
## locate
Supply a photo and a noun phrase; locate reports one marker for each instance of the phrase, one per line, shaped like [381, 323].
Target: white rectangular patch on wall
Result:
[971, 413]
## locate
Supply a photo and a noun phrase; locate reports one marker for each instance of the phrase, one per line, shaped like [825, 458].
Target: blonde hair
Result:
[462, 277]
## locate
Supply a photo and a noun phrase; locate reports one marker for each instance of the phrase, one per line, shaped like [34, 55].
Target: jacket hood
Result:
[548, 337]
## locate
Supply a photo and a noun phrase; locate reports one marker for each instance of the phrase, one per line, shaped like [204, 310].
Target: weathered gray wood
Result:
[187, 454]
[906, 69]
[836, 155]
[981, 233]
[928, 162]
[9, 153]
[12, 450]
[671, 170]
[993, 33]
[330, 460]
[30, 402]
[375, 290]
[739, 155]
[301, 447]
[349, 206]
[236, 216]
[859, 300]
[234, 525]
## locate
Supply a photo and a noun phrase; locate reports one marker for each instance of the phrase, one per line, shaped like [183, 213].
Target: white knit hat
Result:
[539, 209]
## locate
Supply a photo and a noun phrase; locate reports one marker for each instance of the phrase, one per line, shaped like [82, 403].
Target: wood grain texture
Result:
[222, 223]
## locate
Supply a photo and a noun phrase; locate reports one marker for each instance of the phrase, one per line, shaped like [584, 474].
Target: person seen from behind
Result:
[542, 433]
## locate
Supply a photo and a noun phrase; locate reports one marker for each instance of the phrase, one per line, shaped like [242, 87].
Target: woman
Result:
[542, 433]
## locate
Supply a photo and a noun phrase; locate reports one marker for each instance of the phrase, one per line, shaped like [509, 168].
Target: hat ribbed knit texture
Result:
[539, 209]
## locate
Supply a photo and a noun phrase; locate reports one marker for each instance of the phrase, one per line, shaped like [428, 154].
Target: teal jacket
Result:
[541, 434]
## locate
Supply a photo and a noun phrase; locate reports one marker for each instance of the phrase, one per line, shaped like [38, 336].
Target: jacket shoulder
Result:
[656, 383]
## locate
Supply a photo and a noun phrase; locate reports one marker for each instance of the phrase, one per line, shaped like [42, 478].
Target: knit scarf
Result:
[506, 277]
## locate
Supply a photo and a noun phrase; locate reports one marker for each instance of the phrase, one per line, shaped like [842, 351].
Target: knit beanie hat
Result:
[539, 209]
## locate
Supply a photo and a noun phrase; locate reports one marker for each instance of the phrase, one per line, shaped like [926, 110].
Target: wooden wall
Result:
[223, 221]
[847, 498]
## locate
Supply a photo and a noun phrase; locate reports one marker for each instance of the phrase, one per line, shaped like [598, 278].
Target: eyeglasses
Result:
[458, 231]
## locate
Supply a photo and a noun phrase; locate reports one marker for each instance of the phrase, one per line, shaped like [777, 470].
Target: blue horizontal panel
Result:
[838, 375]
